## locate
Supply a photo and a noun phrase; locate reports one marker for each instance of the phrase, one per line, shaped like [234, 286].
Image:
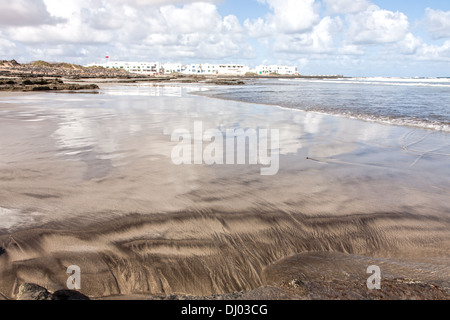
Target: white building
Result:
[201, 69]
[210, 69]
[216, 69]
[233, 69]
[170, 68]
[153, 68]
[276, 69]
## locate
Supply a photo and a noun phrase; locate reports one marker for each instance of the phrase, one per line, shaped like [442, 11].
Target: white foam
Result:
[381, 120]
[410, 82]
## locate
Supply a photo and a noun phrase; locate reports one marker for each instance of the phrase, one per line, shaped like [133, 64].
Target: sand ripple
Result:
[215, 253]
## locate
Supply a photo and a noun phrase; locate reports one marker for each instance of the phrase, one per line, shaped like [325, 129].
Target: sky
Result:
[404, 38]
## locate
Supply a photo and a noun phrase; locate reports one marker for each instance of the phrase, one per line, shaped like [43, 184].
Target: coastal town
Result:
[157, 68]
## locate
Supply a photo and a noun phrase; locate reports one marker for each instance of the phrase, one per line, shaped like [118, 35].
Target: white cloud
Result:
[159, 3]
[128, 31]
[376, 26]
[288, 16]
[25, 12]
[346, 6]
[435, 52]
[259, 28]
[409, 45]
[197, 30]
[292, 16]
[413, 48]
[73, 32]
[231, 24]
[350, 49]
[8, 48]
[196, 17]
[319, 40]
[437, 23]
[67, 8]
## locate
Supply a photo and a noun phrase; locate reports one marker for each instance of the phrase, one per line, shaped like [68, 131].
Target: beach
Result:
[87, 179]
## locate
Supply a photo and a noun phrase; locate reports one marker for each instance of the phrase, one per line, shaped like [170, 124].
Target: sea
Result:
[416, 102]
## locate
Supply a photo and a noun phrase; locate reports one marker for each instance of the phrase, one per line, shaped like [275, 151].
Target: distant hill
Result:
[8, 63]
[41, 63]
[42, 68]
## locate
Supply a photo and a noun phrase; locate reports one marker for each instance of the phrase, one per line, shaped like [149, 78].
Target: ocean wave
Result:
[423, 124]
[417, 123]
[410, 82]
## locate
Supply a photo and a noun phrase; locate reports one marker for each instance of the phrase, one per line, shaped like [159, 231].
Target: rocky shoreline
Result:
[41, 84]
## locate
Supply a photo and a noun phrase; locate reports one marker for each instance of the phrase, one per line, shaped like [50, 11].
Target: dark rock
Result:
[14, 63]
[43, 85]
[29, 291]
[2, 251]
[40, 88]
[74, 87]
[227, 82]
[69, 295]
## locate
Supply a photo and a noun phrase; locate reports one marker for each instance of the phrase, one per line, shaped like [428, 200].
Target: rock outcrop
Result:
[41, 84]
[30, 291]
[66, 70]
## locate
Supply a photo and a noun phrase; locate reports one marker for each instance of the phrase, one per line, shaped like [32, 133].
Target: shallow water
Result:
[422, 103]
[93, 156]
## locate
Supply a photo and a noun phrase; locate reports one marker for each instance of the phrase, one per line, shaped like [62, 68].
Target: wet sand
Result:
[87, 180]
